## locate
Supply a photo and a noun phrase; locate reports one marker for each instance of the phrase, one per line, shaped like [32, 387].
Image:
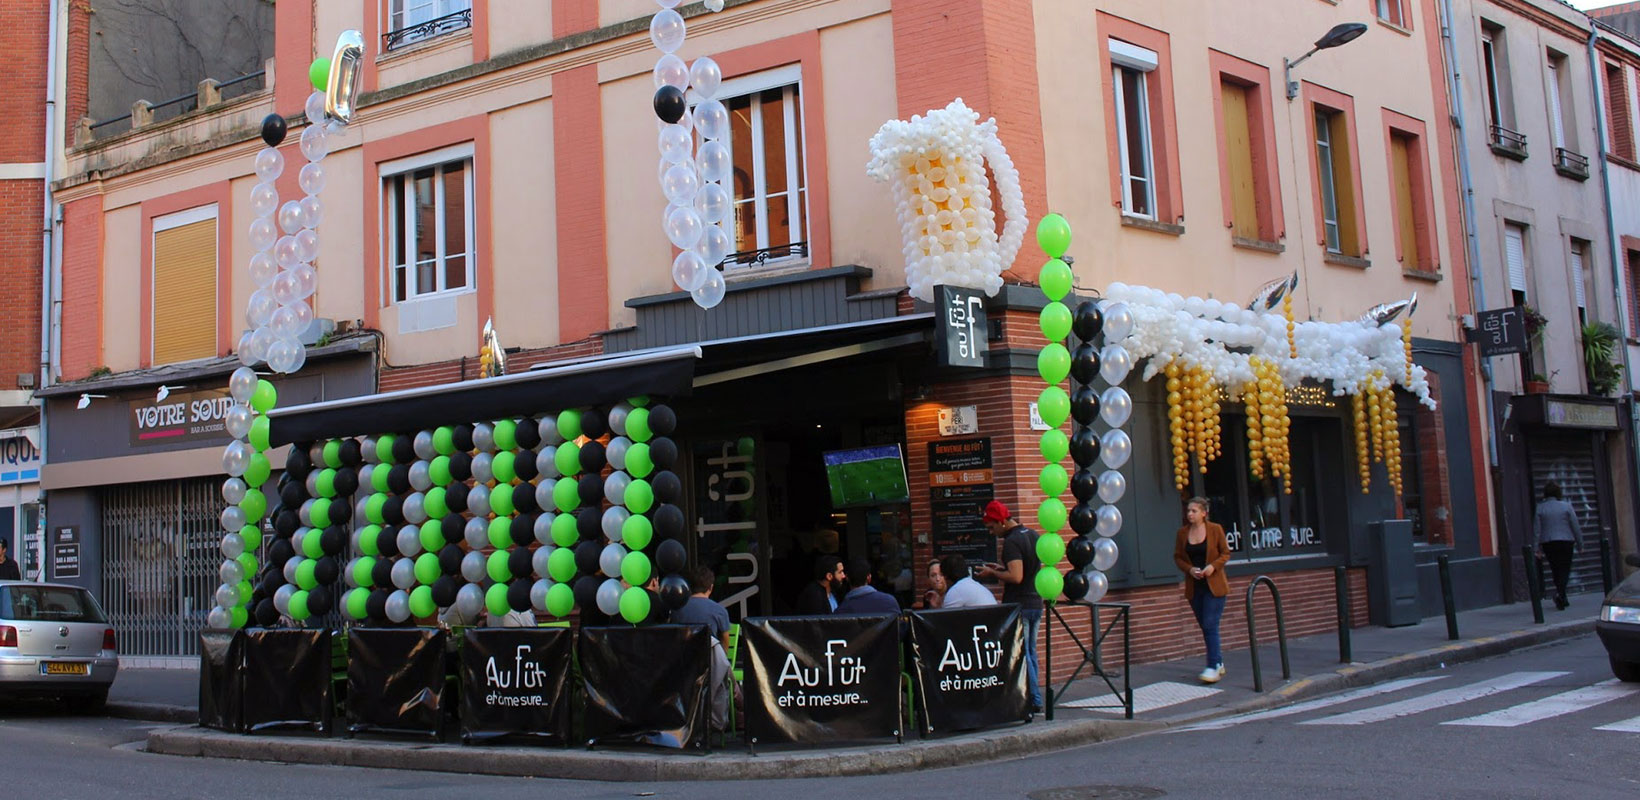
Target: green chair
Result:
[735, 673]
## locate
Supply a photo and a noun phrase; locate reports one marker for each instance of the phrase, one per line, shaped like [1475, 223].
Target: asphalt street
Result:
[1545, 722]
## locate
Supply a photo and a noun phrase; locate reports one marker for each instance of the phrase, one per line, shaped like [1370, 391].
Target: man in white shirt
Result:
[965, 592]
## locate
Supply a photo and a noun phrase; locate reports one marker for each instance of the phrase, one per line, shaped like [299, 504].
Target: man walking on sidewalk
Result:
[1554, 526]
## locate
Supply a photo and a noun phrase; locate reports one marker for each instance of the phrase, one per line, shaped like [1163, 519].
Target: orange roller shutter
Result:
[185, 292]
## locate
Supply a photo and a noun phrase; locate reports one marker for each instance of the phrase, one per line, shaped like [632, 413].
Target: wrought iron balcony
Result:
[1507, 143]
[422, 31]
[1571, 164]
[752, 259]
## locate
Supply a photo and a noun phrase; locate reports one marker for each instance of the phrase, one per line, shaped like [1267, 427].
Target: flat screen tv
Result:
[866, 476]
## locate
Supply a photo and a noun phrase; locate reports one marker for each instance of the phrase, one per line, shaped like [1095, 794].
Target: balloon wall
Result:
[697, 204]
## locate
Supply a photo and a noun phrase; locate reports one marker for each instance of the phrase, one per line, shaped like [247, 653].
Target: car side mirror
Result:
[1632, 559]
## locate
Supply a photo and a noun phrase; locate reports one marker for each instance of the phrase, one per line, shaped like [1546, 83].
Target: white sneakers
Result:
[1212, 674]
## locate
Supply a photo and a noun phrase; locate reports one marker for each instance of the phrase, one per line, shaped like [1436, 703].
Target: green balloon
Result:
[1049, 584]
[254, 505]
[497, 566]
[502, 466]
[561, 598]
[304, 574]
[363, 571]
[1055, 445]
[384, 449]
[569, 424]
[298, 604]
[238, 616]
[1051, 515]
[427, 570]
[565, 494]
[439, 470]
[436, 504]
[378, 479]
[373, 508]
[311, 544]
[264, 397]
[639, 496]
[367, 540]
[1055, 321]
[357, 602]
[432, 536]
[637, 532]
[1055, 279]
[258, 437]
[320, 512]
[444, 441]
[252, 536]
[564, 533]
[1053, 480]
[1054, 406]
[505, 431]
[501, 500]
[495, 599]
[1053, 235]
[641, 401]
[319, 73]
[637, 425]
[568, 458]
[245, 590]
[247, 561]
[1050, 548]
[634, 605]
[333, 454]
[501, 533]
[635, 568]
[1053, 363]
[325, 483]
[258, 470]
[561, 566]
[421, 602]
[638, 462]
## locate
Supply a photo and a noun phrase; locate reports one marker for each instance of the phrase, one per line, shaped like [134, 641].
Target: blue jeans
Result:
[1208, 610]
[1033, 623]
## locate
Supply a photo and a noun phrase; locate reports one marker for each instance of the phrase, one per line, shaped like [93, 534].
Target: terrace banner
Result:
[646, 685]
[970, 667]
[514, 681]
[287, 678]
[221, 658]
[822, 679]
[395, 679]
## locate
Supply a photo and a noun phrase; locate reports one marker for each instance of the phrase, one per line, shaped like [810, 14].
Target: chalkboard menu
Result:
[960, 484]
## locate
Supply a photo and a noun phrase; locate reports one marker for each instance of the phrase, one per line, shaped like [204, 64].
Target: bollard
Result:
[1341, 591]
[1534, 582]
[1605, 564]
[1445, 565]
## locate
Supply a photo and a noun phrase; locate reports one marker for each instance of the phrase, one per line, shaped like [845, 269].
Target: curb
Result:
[152, 712]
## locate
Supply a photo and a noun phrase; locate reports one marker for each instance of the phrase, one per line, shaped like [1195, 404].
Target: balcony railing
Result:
[205, 95]
[1571, 164]
[421, 31]
[752, 259]
[1507, 143]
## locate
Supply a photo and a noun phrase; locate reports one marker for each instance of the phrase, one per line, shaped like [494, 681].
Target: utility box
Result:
[1392, 577]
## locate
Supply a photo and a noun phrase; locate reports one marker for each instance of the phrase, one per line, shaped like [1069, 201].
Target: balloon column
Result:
[697, 204]
[1053, 363]
[248, 470]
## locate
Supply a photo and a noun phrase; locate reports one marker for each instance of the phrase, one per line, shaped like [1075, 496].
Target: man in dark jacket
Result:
[861, 597]
[820, 597]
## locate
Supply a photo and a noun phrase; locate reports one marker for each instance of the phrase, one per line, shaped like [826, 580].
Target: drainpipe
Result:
[48, 231]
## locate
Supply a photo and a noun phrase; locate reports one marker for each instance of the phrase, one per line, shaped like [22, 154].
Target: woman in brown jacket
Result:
[1201, 550]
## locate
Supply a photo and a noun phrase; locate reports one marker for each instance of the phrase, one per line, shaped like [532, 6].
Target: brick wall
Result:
[410, 377]
[82, 287]
[23, 40]
[20, 270]
[78, 77]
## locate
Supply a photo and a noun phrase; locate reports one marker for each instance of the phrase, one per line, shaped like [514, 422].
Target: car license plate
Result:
[65, 668]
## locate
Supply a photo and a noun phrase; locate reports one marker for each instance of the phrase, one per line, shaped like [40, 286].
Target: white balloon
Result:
[609, 596]
[681, 183]
[1108, 520]
[270, 163]
[478, 501]
[1118, 321]
[409, 541]
[421, 475]
[314, 144]
[683, 227]
[714, 161]
[476, 533]
[218, 618]
[609, 560]
[711, 291]
[714, 5]
[614, 517]
[1112, 485]
[705, 76]
[291, 565]
[259, 309]
[484, 438]
[314, 107]
[233, 518]
[688, 272]
[713, 246]
[264, 200]
[233, 489]
[543, 523]
[263, 269]
[483, 464]
[712, 202]
[284, 322]
[398, 603]
[415, 510]
[617, 422]
[290, 218]
[1114, 364]
[667, 31]
[312, 212]
[675, 146]
[615, 451]
[232, 545]
[1115, 406]
[1104, 554]
[615, 490]
[473, 567]
[231, 572]
[1098, 584]
[543, 499]
[281, 598]
[547, 426]
[238, 423]
[226, 596]
[671, 71]
[305, 280]
[538, 590]
[307, 243]
[404, 574]
[311, 178]
[712, 120]
[546, 462]
[242, 384]
[470, 601]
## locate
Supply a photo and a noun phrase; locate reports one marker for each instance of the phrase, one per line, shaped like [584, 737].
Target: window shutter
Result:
[1514, 255]
[185, 292]
[1577, 274]
[1238, 149]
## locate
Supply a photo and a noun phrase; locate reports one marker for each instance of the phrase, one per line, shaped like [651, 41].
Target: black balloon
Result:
[273, 129]
[523, 525]
[518, 595]
[297, 464]
[351, 455]
[674, 591]
[524, 466]
[662, 420]
[266, 614]
[393, 510]
[1088, 320]
[1084, 363]
[528, 433]
[381, 575]
[279, 552]
[319, 600]
[523, 498]
[586, 557]
[668, 489]
[662, 451]
[518, 562]
[591, 488]
[375, 606]
[595, 422]
[669, 104]
[387, 543]
[340, 511]
[453, 526]
[327, 570]
[592, 456]
[333, 540]
[1084, 405]
[462, 436]
[671, 557]
[1079, 552]
[1082, 518]
[589, 524]
[461, 466]
[668, 521]
[586, 595]
[292, 494]
[1084, 485]
[404, 448]
[398, 477]
[455, 496]
[1076, 585]
[347, 481]
[449, 560]
[1084, 447]
[286, 522]
[445, 590]
[273, 577]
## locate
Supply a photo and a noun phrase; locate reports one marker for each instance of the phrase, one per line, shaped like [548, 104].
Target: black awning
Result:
[667, 372]
[730, 359]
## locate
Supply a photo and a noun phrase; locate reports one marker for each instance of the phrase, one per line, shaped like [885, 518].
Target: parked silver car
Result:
[55, 641]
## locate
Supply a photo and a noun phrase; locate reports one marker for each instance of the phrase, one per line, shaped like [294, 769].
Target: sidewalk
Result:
[1165, 694]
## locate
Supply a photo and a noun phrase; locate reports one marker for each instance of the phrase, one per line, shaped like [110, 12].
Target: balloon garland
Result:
[1053, 363]
[692, 178]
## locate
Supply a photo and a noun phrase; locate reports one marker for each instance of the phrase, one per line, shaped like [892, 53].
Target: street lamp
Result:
[1340, 34]
[164, 392]
[85, 400]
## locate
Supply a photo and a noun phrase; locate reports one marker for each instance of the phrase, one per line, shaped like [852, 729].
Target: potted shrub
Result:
[1600, 343]
[1538, 384]
[1534, 322]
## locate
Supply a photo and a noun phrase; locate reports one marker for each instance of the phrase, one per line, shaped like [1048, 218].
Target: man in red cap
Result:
[1019, 566]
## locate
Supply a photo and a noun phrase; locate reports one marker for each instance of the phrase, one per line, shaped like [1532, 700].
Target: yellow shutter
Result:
[185, 292]
[1349, 238]
[1238, 149]
[1406, 218]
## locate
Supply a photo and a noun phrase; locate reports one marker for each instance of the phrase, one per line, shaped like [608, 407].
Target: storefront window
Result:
[726, 522]
[1259, 518]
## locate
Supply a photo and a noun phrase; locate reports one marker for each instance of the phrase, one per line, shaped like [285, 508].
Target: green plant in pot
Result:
[1534, 323]
[1600, 343]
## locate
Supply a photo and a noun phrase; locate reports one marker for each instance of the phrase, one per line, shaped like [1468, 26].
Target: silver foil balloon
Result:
[233, 518]
[483, 469]
[1115, 448]
[548, 428]
[409, 541]
[1104, 554]
[241, 385]
[473, 567]
[346, 76]
[281, 598]
[1115, 406]
[1387, 312]
[469, 602]
[398, 603]
[1098, 585]
[609, 560]
[614, 517]
[1112, 485]
[538, 560]
[404, 574]
[1118, 320]
[232, 545]
[609, 596]
[233, 490]
[538, 593]
[421, 476]
[546, 463]
[476, 533]
[423, 445]
[478, 501]
[484, 438]
[1114, 363]
[1107, 521]
[1270, 294]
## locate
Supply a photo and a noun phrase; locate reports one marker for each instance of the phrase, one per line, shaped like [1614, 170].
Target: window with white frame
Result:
[427, 222]
[410, 21]
[1325, 162]
[1391, 11]
[1131, 66]
[767, 222]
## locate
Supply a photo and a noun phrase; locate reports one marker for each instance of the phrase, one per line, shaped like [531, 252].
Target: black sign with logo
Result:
[65, 552]
[513, 681]
[959, 486]
[1500, 331]
[822, 679]
[395, 679]
[970, 667]
[287, 678]
[646, 685]
[959, 326]
[221, 666]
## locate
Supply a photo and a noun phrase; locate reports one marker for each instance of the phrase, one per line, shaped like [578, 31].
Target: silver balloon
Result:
[1104, 554]
[617, 419]
[615, 451]
[347, 573]
[469, 602]
[238, 421]
[1386, 312]
[1112, 485]
[538, 559]
[1118, 321]
[226, 596]
[484, 437]
[546, 461]
[311, 483]
[218, 618]
[236, 457]
[615, 489]
[281, 598]
[415, 509]
[233, 490]
[473, 567]
[614, 517]
[1114, 363]
[409, 540]
[242, 384]
[609, 561]
[398, 604]
[291, 564]
[483, 471]
[367, 449]
[298, 537]
[478, 501]
[404, 574]
[543, 521]
[233, 518]
[1115, 406]
[477, 534]
[421, 476]
[538, 593]
[1098, 584]
[232, 545]
[1108, 521]
[361, 511]
[1270, 294]
[304, 512]
[548, 428]
[423, 445]
[609, 596]
[543, 499]
[1115, 448]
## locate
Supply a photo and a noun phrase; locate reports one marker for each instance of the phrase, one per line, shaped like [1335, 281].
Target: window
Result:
[1410, 189]
[1238, 148]
[770, 192]
[1557, 123]
[1142, 143]
[1426, 489]
[1336, 181]
[1617, 112]
[427, 206]
[1491, 64]
[1514, 259]
[1248, 173]
[1632, 257]
[1130, 65]
[1260, 519]
[1578, 267]
[1391, 11]
[410, 21]
[1502, 135]
[184, 289]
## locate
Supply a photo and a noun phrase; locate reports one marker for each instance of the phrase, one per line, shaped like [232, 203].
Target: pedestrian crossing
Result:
[1409, 697]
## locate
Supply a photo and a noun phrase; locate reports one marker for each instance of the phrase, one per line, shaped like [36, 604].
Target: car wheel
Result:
[89, 703]
[1626, 670]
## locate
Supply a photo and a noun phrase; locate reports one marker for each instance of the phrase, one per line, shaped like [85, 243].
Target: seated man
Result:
[861, 597]
[700, 609]
[965, 592]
